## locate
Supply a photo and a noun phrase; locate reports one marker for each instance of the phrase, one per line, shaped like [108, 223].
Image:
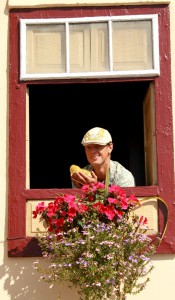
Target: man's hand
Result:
[79, 179]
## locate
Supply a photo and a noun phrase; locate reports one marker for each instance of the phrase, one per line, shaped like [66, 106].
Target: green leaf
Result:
[107, 182]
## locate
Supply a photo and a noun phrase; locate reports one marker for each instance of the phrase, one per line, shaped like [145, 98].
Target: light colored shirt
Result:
[118, 175]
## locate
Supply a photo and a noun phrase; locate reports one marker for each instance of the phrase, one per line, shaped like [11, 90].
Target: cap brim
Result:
[96, 143]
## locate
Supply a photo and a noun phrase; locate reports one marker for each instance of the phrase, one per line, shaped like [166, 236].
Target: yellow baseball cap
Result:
[97, 135]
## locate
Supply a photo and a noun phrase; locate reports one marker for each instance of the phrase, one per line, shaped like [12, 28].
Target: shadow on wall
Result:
[22, 282]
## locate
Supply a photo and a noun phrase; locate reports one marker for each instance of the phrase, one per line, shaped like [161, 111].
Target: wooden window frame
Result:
[18, 243]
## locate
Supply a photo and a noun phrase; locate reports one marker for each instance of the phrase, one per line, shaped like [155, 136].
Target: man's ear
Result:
[110, 147]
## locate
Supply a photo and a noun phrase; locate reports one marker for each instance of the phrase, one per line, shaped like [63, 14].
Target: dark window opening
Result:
[59, 116]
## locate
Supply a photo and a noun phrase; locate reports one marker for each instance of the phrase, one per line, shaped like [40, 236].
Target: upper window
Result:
[119, 46]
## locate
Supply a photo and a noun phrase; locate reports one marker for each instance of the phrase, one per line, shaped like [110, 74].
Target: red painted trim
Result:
[51, 193]
[18, 243]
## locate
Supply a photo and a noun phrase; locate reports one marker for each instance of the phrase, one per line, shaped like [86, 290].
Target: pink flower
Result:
[113, 200]
[39, 209]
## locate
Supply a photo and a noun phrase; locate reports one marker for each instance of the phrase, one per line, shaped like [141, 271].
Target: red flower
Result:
[51, 210]
[57, 222]
[119, 213]
[71, 213]
[99, 207]
[68, 207]
[143, 220]
[110, 212]
[133, 200]
[82, 208]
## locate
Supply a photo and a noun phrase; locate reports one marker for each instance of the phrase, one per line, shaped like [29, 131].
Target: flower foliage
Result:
[96, 242]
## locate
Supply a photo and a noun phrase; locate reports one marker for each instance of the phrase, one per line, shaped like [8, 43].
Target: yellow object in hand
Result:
[74, 168]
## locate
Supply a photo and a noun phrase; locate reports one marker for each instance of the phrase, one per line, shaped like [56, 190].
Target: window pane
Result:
[46, 48]
[132, 45]
[89, 47]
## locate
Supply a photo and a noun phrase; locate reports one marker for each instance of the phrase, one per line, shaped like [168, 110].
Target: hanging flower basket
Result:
[96, 243]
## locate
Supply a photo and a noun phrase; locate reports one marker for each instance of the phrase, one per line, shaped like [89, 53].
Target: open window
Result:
[55, 137]
[46, 122]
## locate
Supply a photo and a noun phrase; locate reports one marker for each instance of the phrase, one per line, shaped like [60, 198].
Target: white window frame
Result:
[155, 71]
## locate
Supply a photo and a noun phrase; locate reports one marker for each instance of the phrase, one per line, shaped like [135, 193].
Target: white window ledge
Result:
[59, 3]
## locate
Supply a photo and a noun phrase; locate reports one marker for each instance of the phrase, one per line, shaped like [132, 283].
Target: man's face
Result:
[97, 154]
